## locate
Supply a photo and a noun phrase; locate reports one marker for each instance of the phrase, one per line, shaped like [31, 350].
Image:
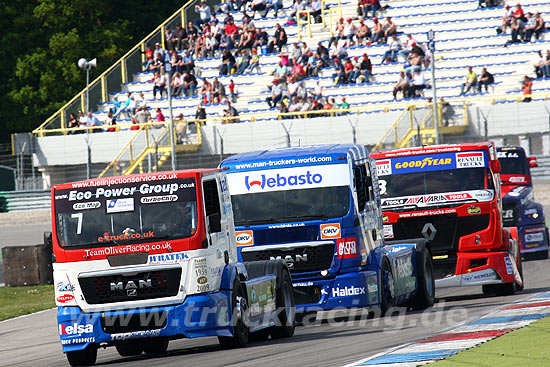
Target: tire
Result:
[85, 357]
[239, 309]
[286, 309]
[155, 346]
[259, 336]
[387, 292]
[129, 349]
[425, 294]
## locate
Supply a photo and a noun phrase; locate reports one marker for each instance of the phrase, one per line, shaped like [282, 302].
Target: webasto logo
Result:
[281, 181]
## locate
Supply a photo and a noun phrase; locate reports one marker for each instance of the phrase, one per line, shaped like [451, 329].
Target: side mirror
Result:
[214, 223]
[495, 166]
[533, 162]
[48, 241]
[358, 179]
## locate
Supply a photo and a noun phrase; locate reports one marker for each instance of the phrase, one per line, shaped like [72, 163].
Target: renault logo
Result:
[429, 231]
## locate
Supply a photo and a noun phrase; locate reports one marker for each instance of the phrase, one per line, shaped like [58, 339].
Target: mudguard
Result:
[230, 272]
[256, 269]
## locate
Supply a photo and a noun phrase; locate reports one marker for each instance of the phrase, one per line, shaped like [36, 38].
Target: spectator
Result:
[542, 66]
[204, 14]
[232, 91]
[83, 120]
[276, 5]
[338, 32]
[134, 123]
[339, 76]
[192, 33]
[159, 84]
[365, 69]
[298, 72]
[314, 65]
[394, 47]
[110, 122]
[93, 121]
[344, 106]
[241, 62]
[327, 106]
[295, 106]
[318, 91]
[189, 84]
[317, 106]
[179, 38]
[258, 5]
[160, 117]
[177, 84]
[276, 93]
[390, 28]
[279, 39]
[527, 87]
[349, 69]
[141, 102]
[316, 9]
[292, 88]
[488, 3]
[377, 31]
[149, 58]
[254, 61]
[363, 32]
[283, 109]
[295, 53]
[143, 115]
[261, 39]
[232, 113]
[228, 61]
[520, 15]
[402, 85]
[211, 44]
[187, 62]
[157, 64]
[296, 11]
[158, 53]
[406, 51]
[200, 114]
[418, 84]
[73, 123]
[506, 19]
[218, 90]
[414, 62]
[471, 81]
[447, 111]
[349, 31]
[539, 28]
[168, 35]
[175, 61]
[529, 28]
[485, 79]
[124, 107]
[307, 105]
[372, 6]
[205, 93]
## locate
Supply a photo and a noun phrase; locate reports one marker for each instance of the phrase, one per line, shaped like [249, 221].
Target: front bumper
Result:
[357, 289]
[533, 238]
[199, 315]
[499, 267]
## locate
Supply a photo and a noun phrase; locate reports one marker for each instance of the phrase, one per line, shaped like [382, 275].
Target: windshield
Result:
[513, 162]
[291, 205]
[126, 214]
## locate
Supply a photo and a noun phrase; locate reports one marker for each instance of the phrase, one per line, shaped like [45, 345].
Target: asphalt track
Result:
[33, 340]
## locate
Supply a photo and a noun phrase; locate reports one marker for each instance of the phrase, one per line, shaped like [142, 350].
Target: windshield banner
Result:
[421, 201]
[431, 162]
[288, 179]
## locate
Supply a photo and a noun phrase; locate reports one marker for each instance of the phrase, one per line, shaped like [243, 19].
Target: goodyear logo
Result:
[428, 161]
[330, 231]
[244, 238]
[474, 210]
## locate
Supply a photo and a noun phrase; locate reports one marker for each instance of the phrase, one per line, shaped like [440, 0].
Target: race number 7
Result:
[79, 224]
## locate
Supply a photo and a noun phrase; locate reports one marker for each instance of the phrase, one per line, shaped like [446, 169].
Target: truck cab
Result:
[318, 209]
[143, 259]
[519, 208]
[450, 195]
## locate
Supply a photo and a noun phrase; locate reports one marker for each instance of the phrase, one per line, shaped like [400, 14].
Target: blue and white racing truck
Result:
[318, 209]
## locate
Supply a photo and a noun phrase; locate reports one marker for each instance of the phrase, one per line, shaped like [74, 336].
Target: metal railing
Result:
[326, 11]
[112, 78]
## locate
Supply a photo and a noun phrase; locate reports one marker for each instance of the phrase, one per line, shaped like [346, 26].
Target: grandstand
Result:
[465, 35]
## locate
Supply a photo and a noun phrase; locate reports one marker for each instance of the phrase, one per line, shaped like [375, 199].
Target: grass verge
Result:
[17, 301]
[524, 347]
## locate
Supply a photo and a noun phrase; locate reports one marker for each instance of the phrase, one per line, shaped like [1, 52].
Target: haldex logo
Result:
[347, 291]
[279, 180]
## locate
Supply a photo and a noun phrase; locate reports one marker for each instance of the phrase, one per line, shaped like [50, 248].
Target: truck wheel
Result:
[286, 309]
[388, 287]
[425, 296]
[129, 349]
[239, 309]
[259, 336]
[153, 346]
[85, 357]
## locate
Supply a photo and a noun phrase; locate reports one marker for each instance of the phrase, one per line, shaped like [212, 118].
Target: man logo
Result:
[330, 231]
[244, 238]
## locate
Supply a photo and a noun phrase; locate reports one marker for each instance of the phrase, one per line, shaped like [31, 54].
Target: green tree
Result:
[43, 39]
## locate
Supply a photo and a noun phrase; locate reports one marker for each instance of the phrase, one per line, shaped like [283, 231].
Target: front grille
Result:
[128, 323]
[302, 259]
[509, 214]
[308, 294]
[140, 286]
[448, 229]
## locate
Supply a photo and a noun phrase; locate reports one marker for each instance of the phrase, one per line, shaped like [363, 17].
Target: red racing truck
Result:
[450, 195]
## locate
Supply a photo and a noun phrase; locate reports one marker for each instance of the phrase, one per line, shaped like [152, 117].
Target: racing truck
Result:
[519, 209]
[450, 195]
[143, 259]
[317, 208]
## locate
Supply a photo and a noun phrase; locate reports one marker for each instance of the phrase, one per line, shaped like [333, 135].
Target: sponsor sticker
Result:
[78, 340]
[383, 167]
[487, 274]
[347, 291]
[469, 159]
[64, 298]
[303, 284]
[347, 247]
[509, 267]
[388, 231]
[88, 205]
[172, 258]
[64, 287]
[385, 219]
[474, 210]
[330, 231]
[74, 329]
[517, 179]
[244, 238]
[120, 205]
[136, 334]
[158, 199]
[534, 237]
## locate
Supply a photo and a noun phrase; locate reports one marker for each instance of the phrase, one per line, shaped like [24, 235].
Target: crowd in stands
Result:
[239, 46]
